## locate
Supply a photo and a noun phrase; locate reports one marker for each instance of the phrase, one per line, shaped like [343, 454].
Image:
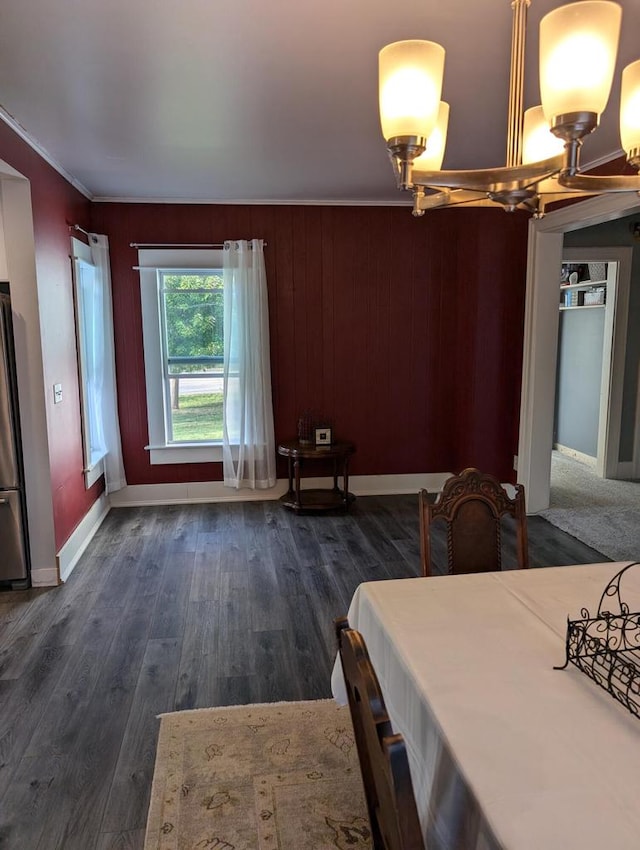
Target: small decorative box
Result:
[594, 296]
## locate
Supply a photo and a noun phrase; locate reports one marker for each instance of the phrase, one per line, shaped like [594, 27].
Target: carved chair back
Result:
[473, 505]
[381, 753]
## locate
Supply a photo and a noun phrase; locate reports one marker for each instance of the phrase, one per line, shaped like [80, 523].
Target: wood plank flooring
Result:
[175, 608]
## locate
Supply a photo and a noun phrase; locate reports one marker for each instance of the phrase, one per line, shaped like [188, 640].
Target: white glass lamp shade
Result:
[538, 142]
[578, 47]
[431, 159]
[410, 78]
[630, 108]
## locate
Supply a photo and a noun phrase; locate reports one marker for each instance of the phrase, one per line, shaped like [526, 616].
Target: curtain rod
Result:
[78, 229]
[181, 244]
[81, 229]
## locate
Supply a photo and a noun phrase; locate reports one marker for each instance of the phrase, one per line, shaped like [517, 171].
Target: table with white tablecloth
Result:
[505, 752]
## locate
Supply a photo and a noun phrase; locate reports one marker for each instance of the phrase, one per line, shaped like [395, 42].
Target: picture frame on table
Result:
[323, 437]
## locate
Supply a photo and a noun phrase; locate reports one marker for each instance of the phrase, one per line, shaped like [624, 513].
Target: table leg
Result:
[336, 489]
[290, 469]
[296, 466]
[345, 477]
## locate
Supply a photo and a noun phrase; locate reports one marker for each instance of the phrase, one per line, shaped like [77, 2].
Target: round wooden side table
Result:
[319, 499]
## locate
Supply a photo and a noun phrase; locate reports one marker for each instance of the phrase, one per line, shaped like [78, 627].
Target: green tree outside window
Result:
[194, 339]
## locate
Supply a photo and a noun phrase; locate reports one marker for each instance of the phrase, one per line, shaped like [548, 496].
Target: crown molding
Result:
[19, 130]
[249, 202]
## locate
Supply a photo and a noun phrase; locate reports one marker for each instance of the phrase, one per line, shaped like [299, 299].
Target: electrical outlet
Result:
[57, 393]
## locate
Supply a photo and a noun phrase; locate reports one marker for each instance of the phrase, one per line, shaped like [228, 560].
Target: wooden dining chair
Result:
[472, 505]
[382, 754]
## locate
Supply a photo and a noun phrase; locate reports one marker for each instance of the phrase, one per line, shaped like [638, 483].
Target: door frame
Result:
[18, 266]
[544, 258]
[614, 350]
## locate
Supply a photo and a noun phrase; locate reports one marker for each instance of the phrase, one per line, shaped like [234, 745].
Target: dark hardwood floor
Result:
[174, 608]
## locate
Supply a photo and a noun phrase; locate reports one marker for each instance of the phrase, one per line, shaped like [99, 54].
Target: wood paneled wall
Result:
[406, 332]
[56, 204]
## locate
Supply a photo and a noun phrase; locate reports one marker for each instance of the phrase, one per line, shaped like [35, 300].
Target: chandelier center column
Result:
[516, 83]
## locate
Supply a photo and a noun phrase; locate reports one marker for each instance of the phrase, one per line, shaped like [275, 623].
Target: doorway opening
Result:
[592, 335]
[546, 251]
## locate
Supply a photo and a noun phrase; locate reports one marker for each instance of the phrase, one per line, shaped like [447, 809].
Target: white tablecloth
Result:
[537, 758]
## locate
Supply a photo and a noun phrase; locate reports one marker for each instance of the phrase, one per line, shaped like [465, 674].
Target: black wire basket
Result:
[607, 647]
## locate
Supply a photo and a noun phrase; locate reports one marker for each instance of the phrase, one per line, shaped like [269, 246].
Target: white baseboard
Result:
[136, 495]
[625, 469]
[589, 460]
[72, 550]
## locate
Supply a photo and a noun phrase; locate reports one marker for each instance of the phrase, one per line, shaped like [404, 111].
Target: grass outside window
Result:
[198, 418]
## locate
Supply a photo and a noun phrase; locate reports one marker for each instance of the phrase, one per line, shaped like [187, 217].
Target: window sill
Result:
[93, 471]
[185, 453]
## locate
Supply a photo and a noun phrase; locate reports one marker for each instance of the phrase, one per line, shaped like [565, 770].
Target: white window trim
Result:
[93, 464]
[149, 261]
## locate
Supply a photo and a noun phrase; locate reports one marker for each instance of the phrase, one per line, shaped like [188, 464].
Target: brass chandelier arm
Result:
[593, 184]
[552, 189]
[395, 165]
[422, 202]
[483, 180]
[454, 198]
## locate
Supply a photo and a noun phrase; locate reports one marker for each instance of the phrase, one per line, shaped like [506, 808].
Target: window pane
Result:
[91, 352]
[196, 409]
[206, 279]
[194, 345]
[186, 367]
[193, 316]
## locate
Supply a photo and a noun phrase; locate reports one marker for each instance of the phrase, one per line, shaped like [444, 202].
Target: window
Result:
[182, 316]
[89, 309]
[192, 348]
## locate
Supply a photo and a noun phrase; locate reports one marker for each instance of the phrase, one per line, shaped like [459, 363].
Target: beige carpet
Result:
[277, 776]
[603, 513]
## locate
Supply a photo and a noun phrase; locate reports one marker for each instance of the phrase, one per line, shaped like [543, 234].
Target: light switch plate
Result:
[57, 393]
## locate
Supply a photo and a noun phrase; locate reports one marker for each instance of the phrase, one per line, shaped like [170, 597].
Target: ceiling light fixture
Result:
[578, 48]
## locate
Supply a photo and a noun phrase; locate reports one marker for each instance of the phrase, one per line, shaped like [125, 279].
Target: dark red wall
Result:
[406, 332]
[56, 204]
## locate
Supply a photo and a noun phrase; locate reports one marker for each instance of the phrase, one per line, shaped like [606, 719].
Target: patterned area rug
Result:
[276, 776]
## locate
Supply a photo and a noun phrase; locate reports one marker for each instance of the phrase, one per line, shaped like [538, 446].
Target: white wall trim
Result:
[17, 219]
[82, 535]
[150, 262]
[135, 495]
[19, 130]
[635, 466]
[541, 334]
[45, 577]
[588, 460]
[256, 202]
[538, 366]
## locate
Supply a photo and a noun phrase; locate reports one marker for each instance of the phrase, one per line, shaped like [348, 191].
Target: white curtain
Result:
[105, 401]
[248, 449]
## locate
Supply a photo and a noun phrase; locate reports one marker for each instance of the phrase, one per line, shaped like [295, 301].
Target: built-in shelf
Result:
[585, 284]
[583, 307]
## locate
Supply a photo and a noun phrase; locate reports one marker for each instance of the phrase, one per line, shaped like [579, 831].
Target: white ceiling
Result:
[257, 101]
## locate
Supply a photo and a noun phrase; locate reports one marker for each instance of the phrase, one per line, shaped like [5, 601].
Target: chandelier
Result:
[578, 48]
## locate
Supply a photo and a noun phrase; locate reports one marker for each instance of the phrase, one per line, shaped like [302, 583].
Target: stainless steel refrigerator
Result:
[14, 563]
